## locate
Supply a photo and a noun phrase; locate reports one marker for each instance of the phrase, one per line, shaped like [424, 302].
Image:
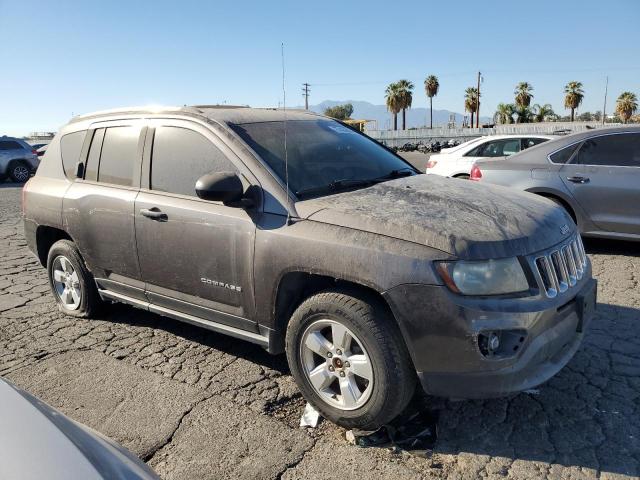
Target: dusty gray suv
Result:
[326, 246]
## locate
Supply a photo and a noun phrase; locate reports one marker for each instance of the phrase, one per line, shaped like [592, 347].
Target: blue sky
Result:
[63, 58]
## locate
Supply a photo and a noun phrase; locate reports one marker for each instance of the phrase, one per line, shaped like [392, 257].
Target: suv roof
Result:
[221, 113]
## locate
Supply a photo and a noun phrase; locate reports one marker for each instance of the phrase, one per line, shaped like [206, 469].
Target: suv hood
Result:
[462, 218]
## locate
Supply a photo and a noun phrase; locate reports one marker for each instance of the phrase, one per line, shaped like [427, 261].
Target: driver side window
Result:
[180, 157]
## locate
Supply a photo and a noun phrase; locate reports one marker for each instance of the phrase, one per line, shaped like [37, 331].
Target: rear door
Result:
[604, 178]
[98, 210]
[197, 256]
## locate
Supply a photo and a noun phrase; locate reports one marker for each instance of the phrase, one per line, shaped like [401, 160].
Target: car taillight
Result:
[431, 163]
[34, 151]
[476, 173]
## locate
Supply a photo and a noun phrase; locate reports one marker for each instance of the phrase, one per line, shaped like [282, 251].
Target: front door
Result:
[196, 256]
[603, 176]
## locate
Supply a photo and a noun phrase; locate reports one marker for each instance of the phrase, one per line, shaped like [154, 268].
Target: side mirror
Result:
[225, 187]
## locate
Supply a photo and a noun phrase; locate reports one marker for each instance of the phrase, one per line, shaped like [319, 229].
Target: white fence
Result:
[397, 138]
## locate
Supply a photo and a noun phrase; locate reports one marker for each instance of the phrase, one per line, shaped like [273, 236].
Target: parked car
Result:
[40, 151]
[18, 159]
[594, 175]
[457, 161]
[39, 442]
[321, 244]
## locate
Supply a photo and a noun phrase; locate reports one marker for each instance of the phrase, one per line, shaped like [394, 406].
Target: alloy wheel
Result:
[66, 283]
[336, 364]
[21, 173]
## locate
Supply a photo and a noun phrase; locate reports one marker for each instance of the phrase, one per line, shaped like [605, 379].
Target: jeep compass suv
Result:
[298, 233]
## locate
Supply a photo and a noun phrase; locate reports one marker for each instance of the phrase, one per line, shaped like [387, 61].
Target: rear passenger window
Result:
[10, 145]
[118, 157]
[93, 159]
[180, 156]
[563, 156]
[70, 147]
[622, 150]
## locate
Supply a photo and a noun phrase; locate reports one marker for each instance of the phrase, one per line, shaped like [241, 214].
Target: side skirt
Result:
[257, 338]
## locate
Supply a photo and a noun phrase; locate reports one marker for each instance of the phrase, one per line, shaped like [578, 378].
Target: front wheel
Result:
[349, 359]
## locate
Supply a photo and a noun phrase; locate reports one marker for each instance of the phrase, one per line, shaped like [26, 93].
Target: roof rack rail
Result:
[218, 105]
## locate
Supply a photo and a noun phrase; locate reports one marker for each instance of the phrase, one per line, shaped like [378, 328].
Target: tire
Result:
[64, 259]
[19, 172]
[375, 341]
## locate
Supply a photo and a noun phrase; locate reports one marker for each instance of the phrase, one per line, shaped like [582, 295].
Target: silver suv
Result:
[18, 159]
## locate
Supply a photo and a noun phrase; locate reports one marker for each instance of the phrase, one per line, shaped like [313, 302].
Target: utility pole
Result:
[604, 109]
[305, 94]
[478, 110]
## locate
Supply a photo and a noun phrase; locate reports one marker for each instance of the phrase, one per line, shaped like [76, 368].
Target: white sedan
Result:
[457, 161]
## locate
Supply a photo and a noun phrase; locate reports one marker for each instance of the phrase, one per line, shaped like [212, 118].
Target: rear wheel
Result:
[19, 172]
[349, 359]
[72, 284]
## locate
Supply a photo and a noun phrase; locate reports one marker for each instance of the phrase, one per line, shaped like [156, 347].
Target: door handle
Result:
[578, 179]
[153, 213]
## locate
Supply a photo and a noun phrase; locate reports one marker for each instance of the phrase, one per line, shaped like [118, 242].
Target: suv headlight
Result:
[487, 277]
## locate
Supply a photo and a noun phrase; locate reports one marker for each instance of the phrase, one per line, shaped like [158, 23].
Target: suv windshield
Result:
[323, 156]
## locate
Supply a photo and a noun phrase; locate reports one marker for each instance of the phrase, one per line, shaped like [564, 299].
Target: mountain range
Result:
[416, 117]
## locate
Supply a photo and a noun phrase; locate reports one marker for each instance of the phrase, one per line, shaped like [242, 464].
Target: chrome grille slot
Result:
[570, 262]
[562, 268]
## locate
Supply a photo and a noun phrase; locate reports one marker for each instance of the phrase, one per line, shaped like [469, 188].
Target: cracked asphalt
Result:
[194, 404]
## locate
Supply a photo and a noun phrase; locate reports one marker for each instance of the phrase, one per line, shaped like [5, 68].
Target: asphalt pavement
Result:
[195, 404]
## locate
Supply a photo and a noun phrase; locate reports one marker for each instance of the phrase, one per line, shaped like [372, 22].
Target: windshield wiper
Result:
[402, 172]
[345, 183]
[334, 186]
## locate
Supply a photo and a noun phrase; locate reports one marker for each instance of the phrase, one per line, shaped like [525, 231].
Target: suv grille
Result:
[561, 268]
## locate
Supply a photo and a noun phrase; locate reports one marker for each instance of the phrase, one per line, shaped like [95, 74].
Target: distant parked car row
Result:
[18, 159]
[593, 175]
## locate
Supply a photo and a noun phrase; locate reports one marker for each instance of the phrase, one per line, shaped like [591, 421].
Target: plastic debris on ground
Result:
[413, 432]
[310, 417]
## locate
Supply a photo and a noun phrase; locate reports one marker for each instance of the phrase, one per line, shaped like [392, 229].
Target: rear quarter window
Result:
[70, 147]
[563, 156]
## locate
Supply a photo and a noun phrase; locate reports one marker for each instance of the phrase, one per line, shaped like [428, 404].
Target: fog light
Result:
[501, 343]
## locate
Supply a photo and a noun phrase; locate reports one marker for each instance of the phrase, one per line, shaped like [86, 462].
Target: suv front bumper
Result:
[441, 330]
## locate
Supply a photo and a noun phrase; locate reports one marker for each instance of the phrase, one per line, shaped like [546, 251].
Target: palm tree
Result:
[471, 99]
[542, 112]
[626, 105]
[523, 114]
[392, 97]
[405, 89]
[523, 94]
[504, 113]
[431, 87]
[573, 96]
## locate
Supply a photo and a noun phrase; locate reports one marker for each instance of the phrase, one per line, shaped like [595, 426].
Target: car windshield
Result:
[323, 155]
